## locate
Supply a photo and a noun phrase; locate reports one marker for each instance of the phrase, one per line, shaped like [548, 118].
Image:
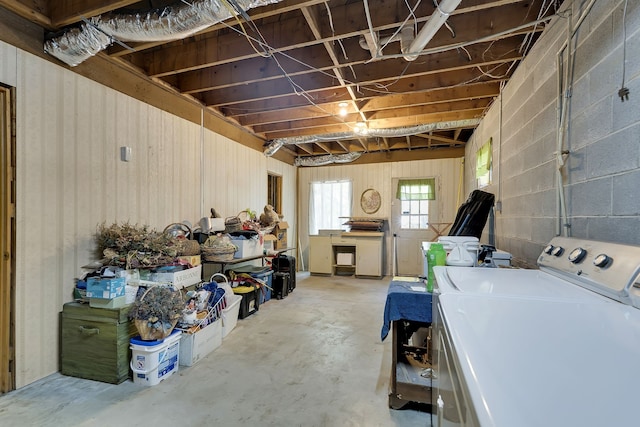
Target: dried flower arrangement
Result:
[156, 311]
[134, 246]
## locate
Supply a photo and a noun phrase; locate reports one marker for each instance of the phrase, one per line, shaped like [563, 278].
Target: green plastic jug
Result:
[436, 255]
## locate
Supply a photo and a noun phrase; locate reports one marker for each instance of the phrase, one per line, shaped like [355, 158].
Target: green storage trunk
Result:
[95, 342]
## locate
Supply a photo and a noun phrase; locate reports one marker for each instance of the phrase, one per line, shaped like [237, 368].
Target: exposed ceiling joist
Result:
[315, 62]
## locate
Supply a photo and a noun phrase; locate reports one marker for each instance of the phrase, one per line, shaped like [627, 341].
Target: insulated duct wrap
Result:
[326, 160]
[171, 23]
[376, 133]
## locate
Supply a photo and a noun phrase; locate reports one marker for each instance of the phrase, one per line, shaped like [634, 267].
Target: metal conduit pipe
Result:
[564, 93]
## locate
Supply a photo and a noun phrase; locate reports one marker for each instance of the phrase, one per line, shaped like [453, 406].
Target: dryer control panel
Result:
[611, 269]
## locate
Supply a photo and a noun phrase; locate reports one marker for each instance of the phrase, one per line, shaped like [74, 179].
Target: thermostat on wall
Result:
[125, 154]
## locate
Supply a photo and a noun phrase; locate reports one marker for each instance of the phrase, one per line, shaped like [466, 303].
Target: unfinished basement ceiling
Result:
[305, 75]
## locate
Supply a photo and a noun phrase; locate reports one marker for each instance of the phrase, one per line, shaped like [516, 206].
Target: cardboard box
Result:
[105, 287]
[180, 279]
[194, 260]
[194, 347]
[280, 231]
[247, 247]
[344, 258]
[269, 242]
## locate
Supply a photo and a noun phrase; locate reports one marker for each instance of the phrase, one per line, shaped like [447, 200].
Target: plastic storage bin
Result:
[264, 274]
[250, 300]
[265, 291]
[230, 314]
[154, 361]
[197, 345]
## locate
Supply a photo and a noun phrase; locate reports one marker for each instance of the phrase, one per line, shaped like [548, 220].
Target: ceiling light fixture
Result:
[343, 109]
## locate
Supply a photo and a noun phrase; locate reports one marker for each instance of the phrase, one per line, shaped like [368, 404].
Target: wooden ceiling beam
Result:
[67, 12]
[426, 118]
[324, 147]
[429, 109]
[300, 113]
[253, 70]
[282, 87]
[197, 53]
[308, 148]
[403, 156]
[344, 146]
[335, 94]
[268, 11]
[436, 96]
[489, 89]
[261, 70]
[37, 11]
[434, 137]
[400, 113]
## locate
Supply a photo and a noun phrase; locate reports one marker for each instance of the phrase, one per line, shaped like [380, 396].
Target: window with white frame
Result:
[328, 201]
[414, 196]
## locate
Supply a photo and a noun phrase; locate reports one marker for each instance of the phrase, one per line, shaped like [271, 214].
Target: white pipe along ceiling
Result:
[435, 22]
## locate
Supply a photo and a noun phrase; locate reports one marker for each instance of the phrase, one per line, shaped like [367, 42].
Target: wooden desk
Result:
[407, 310]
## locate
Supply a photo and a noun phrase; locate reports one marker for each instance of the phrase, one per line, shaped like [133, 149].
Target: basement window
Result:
[328, 201]
[484, 164]
[414, 196]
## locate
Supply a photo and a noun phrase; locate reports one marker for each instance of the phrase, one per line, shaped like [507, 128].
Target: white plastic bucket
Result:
[462, 251]
[154, 361]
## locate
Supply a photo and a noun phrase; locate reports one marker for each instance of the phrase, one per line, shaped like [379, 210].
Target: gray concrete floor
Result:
[312, 359]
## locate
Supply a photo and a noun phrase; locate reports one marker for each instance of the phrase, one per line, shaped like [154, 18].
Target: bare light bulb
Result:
[343, 109]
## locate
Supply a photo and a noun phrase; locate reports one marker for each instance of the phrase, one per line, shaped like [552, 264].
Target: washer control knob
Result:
[557, 251]
[577, 255]
[547, 250]
[602, 261]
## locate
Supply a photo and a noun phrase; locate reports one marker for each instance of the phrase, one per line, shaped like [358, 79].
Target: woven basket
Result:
[189, 247]
[217, 254]
[177, 229]
[149, 333]
[232, 224]
[157, 330]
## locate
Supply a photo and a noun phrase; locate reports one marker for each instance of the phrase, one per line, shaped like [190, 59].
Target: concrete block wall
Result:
[602, 172]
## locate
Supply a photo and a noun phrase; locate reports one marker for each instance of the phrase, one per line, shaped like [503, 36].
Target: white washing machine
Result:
[559, 346]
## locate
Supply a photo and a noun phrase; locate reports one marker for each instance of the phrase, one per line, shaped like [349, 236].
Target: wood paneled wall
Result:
[70, 178]
[379, 176]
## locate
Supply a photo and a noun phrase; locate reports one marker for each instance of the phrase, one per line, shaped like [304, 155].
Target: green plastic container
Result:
[436, 255]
